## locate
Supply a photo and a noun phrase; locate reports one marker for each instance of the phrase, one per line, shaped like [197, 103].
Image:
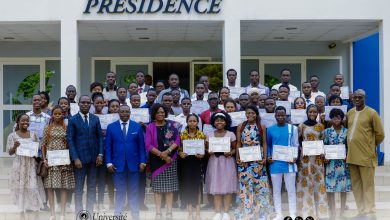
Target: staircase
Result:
[11, 212]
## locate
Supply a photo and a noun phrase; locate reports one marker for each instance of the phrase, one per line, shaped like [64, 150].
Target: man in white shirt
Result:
[255, 83]
[110, 91]
[182, 117]
[231, 76]
[314, 82]
[205, 81]
[285, 77]
[306, 93]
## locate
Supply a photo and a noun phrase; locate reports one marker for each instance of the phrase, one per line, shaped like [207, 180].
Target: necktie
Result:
[140, 90]
[124, 129]
[86, 120]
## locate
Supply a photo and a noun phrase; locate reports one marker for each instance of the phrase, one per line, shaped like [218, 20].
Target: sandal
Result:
[158, 216]
[169, 216]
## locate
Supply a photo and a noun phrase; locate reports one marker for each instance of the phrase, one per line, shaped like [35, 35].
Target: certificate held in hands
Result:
[140, 115]
[219, 144]
[298, 116]
[312, 148]
[193, 147]
[283, 153]
[58, 157]
[237, 118]
[335, 152]
[249, 154]
[27, 148]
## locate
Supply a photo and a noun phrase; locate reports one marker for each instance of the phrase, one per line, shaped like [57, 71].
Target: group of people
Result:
[122, 155]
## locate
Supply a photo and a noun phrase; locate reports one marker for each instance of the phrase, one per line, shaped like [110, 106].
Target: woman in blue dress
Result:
[337, 178]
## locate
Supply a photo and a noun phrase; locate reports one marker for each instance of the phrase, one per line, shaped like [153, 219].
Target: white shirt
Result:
[205, 96]
[182, 120]
[309, 101]
[315, 94]
[83, 116]
[292, 88]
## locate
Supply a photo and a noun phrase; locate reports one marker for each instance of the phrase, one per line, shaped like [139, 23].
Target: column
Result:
[69, 55]
[232, 49]
[384, 48]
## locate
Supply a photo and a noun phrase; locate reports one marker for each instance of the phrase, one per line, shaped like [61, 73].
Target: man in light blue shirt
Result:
[283, 135]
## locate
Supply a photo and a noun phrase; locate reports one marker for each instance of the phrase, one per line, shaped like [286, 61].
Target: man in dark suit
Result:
[125, 158]
[142, 87]
[86, 149]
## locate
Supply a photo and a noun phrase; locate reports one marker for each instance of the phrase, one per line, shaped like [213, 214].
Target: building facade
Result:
[59, 43]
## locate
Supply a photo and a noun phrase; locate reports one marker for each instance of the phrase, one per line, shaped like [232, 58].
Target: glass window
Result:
[325, 69]
[125, 74]
[246, 67]
[53, 79]
[213, 71]
[272, 73]
[24, 83]
[102, 67]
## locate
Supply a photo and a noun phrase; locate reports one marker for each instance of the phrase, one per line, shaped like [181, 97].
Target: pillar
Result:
[232, 49]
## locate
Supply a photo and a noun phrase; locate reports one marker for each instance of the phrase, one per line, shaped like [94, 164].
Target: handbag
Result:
[42, 169]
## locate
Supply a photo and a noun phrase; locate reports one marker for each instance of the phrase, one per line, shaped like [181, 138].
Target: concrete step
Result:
[10, 212]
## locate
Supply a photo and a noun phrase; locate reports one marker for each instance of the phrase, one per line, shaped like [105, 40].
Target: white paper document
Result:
[235, 92]
[193, 147]
[284, 153]
[58, 157]
[237, 118]
[344, 92]
[286, 105]
[268, 119]
[329, 108]
[335, 152]
[143, 97]
[207, 128]
[298, 116]
[312, 148]
[199, 106]
[221, 107]
[74, 108]
[219, 144]
[140, 115]
[107, 119]
[293, 95]
[27, 148]
[249, 154]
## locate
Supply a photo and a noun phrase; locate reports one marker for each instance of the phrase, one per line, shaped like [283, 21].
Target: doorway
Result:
[162, 70]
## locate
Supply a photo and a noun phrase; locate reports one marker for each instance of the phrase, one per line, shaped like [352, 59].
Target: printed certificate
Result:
[344, 92]
[312, 148]
[248, 154]
[329, 108]
[219, 144]
[193, 147]
[107, 119]
[235, 92]
[27, 148]
[237, 118]
[298, 116]
[268, 119]
[58, 157]
[207, 128]
[335, 152]
[74, 108]
[140, 115]
[293, 95]
[283, 153]
[285, 104]
[199, 106]
[143, 97]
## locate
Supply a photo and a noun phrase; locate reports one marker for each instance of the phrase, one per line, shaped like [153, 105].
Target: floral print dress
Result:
[337, 172]
[255, 196]
[311, 191]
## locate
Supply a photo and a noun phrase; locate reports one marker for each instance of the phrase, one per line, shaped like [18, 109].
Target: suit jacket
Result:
[85, 143]
[126, 152]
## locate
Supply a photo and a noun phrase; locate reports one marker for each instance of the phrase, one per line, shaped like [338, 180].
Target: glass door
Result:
[214, 70]
[126, 71]
[20, 81]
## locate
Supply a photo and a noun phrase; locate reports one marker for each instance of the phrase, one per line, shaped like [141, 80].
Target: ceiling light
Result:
[291, 28]
[9, 38]
[278, 38]
[141, 29]
[144, 38]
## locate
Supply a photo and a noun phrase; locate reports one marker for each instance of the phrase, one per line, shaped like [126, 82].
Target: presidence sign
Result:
[153, 6]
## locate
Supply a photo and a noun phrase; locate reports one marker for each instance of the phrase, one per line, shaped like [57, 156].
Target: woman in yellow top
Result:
[191, 176]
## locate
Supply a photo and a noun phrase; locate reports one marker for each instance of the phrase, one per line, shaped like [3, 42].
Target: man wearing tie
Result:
[125, 158]
[85, 143]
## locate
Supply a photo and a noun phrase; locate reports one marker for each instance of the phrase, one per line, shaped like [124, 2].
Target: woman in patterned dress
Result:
[311, 189]
[27, 190]
[59, 177]
[191, 175]
[254, 198]
[337, 172]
